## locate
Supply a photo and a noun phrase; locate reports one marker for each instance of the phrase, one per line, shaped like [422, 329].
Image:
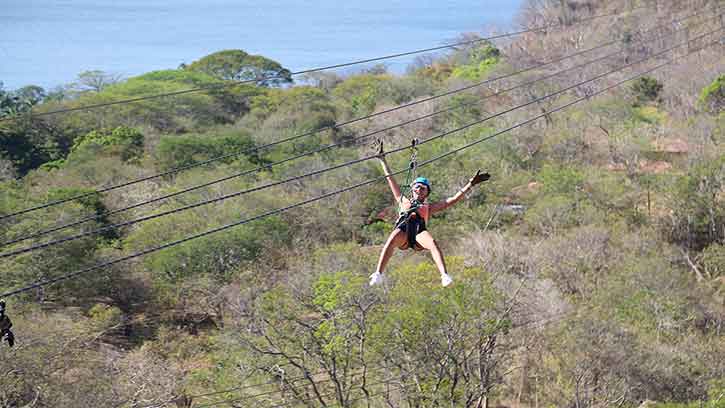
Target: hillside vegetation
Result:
[588, 272]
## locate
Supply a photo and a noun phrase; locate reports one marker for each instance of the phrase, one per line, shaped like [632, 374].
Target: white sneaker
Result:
[446, 279]
[376, 279]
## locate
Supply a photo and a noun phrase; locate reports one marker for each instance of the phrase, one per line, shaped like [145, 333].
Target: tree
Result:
[94, 81]
[697, 212]
[31, 94]
[712, 97]
[11, 103]
[237, 65]
[28, 143]
[646, 89]
[127, 141]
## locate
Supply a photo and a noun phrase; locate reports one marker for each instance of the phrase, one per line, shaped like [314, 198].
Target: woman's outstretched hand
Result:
[479, 178]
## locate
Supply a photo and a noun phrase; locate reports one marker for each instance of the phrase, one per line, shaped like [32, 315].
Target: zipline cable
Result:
[287, 382]
[346, 142]
[147, 251]
[394, 387]
[310, 399]
[321, 171]
[182, 168]
[253, 396]
[324, 68]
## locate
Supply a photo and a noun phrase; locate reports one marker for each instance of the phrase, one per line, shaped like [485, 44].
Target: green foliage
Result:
[288, 100]
[420, 318]
[330, 290]
[648, 114]
[712, 97]
[292, 111]
[359, 94]
[219, 256]
[561, 180]
[165, 114]
[465, 108]
[50, 341]
[716, 398]
[127, 141]
[436, 72]
[472, 63]
[91, 202]
[614, 193]
[338, 321]
[30, 95]
[713, 260]
[552, 213]
[718, 134]
[20, 101]
[400, 90]
[716, 393]
[28, 143]
[178, 151]
[601, 313]
[237, 65]
[24, 269]
[104, 316]
[646, 89]
[377, 232]
[179, 76]
[232, 99]
[480, 61]
[696, 202]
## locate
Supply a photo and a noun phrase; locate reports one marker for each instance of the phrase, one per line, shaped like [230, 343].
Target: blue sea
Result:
[48, 42]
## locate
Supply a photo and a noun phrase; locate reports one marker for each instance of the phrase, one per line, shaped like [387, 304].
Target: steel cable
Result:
[325, 170]
[176, 170]
[321, 197]
[346, 142]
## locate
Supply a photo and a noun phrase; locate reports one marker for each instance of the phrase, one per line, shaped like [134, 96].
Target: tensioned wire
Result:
[309, 399]
[386, 381]
[214, 159]
[324, 68]
[357, 371]
[358, 138]
[321, 197]
[321, 171]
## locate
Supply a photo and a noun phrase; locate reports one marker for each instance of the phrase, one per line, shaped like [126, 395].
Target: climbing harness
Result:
[5, 325]
[410, 220]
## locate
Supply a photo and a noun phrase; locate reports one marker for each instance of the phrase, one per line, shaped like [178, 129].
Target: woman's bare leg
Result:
[396, 239]
[425, 239]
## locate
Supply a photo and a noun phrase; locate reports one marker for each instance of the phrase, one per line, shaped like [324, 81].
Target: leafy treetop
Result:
[237, 65]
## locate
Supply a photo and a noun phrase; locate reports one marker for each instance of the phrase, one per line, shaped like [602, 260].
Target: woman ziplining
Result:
[410, 228]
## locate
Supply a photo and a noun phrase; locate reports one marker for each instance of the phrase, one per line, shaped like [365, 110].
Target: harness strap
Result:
[412, 220]
[412, 170]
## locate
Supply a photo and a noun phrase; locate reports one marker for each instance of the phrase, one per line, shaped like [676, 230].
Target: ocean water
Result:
[48, 42]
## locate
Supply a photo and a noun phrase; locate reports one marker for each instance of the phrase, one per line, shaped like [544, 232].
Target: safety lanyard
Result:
[412, 171]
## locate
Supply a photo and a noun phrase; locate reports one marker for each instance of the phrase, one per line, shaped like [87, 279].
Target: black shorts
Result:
[411, 228]
[403, 226]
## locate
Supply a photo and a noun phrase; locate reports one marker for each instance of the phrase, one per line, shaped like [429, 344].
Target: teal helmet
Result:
[422, 180]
